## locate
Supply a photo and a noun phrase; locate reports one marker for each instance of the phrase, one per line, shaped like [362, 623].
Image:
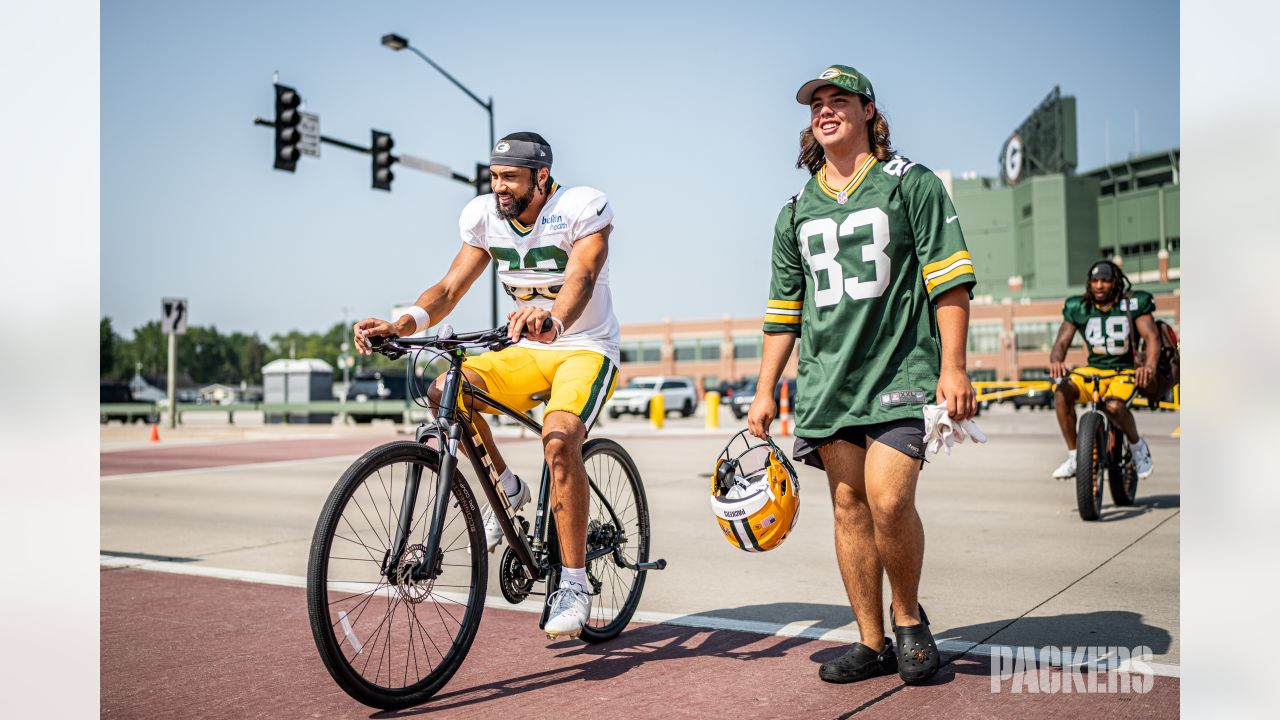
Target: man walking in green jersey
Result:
[871, 271]
[1107, 314]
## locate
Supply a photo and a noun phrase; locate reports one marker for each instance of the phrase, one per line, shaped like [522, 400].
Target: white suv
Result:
[678, 395]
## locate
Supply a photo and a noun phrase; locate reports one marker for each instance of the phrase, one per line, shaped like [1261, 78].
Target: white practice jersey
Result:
[532, 260]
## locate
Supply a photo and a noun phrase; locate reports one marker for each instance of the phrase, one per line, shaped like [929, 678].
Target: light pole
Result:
[399, 42]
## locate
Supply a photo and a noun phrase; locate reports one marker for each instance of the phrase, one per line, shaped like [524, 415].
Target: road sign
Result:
[173, 316]
[309, 128]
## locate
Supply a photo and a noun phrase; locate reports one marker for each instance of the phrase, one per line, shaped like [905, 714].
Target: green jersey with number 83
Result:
[1107, 332]
[854, 274]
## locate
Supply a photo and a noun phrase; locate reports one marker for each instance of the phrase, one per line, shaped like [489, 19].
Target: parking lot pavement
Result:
[1008, 561]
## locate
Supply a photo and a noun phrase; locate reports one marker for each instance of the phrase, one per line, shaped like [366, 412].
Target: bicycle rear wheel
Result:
[1122, 476]
[388, 640]
[1091, 464]
[618, 518]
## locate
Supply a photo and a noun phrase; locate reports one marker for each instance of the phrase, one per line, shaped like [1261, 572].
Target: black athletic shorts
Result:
[906, 436]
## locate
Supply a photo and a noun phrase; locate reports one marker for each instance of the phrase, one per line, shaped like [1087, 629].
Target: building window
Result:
[1034, 373]
[747, 347]
[983, 375]
[984, 338]
[686, 350]
[709, 348]
[1175, 244]
[1034, 335]
[629, 352]
[689, 349]
[651, 351]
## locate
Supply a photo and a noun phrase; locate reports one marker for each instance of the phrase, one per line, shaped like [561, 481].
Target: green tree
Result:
[250, 354]
[108, 347]
[149, 347]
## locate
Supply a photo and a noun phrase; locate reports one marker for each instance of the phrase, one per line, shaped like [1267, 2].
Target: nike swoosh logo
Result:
[602, 207]
[950, 219]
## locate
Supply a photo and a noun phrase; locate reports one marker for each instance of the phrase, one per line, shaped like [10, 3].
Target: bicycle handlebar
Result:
[1092, 376]
[395, 347]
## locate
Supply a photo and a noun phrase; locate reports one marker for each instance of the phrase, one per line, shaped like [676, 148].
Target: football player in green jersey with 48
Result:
[871, 273]
[1106, 315]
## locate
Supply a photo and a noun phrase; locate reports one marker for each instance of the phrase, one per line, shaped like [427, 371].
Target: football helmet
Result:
[754, 494]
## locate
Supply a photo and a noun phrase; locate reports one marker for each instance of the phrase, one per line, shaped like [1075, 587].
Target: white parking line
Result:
[800, 629]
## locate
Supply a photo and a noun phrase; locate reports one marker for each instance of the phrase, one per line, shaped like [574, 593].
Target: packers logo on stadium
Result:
[829, 73]
[502, 147]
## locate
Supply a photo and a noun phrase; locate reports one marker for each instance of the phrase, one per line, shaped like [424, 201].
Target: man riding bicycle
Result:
[551, 246]
[1105, 315]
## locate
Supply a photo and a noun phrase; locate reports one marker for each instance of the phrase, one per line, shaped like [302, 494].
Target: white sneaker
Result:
[570, 608]
[492, 530]
[1068, 468]
[1141, 458]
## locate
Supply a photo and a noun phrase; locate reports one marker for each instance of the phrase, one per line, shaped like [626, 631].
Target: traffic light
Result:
[287, 133]
[382, 159]
[484, 179]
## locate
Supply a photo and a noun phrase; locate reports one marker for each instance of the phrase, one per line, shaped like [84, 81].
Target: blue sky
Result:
[682, 112]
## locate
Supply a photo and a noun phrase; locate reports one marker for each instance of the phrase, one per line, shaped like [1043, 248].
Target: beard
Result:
[519, 203]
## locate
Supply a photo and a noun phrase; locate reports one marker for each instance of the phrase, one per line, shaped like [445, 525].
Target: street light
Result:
[399, 42]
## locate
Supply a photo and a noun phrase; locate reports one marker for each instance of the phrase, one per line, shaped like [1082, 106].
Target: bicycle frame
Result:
[1098, 403]
[454, 429]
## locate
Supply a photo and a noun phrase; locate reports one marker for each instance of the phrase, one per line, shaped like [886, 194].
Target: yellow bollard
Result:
[657, 411]
[712, 400]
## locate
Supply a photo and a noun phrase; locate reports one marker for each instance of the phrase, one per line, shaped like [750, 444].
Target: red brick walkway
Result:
[176, 646]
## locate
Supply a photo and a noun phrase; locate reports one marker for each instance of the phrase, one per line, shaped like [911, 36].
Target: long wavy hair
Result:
[812, 157]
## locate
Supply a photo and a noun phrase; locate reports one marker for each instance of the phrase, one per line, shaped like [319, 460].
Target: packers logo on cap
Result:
[829, 73]
[502, 147]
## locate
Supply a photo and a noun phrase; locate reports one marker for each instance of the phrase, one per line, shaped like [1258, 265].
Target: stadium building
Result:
[1033, 231]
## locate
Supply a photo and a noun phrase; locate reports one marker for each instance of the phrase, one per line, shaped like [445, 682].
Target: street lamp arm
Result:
[486, 105]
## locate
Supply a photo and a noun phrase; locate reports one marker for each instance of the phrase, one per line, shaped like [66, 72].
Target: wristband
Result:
[421, 319]
[559, 326]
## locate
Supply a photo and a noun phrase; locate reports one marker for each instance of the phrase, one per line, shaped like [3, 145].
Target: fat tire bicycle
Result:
[398, 567]
[1102, 454]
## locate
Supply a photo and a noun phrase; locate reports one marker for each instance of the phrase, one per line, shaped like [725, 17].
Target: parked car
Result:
[679, 394]
[743, 398]
[730, 388]
[116, 402]
[1034, 399]
[377, 396]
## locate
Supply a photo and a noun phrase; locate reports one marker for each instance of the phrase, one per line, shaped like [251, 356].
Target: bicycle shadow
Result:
[1142, 506]
[677, 640]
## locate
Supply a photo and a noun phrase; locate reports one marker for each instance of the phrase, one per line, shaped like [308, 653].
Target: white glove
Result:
[941, 432]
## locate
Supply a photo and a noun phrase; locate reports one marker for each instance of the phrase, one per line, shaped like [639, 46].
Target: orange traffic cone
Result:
[155, 432]
[784, 413]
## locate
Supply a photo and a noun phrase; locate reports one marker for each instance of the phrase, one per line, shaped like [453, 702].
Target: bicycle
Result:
[398, 566]
[1102, 453]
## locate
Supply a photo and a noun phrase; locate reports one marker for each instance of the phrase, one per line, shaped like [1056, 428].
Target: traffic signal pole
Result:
[405, 159]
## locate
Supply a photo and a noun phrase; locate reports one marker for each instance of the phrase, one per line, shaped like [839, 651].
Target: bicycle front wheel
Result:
[389, 640]
[1091, 464]
[617, 521]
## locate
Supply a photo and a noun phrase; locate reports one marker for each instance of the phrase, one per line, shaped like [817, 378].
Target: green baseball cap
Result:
[843, 77]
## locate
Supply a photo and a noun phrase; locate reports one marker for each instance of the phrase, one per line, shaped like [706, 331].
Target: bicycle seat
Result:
[540, 396]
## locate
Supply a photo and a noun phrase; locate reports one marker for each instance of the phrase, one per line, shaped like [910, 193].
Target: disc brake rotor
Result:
[413, 591]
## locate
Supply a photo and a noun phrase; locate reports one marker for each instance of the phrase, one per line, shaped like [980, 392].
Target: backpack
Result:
[1168, 366]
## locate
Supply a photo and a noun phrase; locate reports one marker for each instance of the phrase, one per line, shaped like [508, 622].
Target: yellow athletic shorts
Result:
[580, 381]
[1120, 387]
